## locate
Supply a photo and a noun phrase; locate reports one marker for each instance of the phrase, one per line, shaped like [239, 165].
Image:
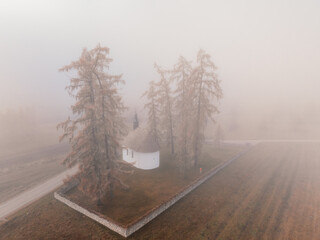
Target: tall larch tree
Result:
[152, 108]
[98, 126]
[206, 98]
[165, 103]
[183, 94]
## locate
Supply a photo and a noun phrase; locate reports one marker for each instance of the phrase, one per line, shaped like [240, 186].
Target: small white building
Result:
[141, 149]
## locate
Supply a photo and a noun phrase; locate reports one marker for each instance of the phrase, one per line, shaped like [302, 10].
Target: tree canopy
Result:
[97, 126]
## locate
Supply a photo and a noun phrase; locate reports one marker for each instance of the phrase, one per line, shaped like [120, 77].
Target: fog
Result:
[267, 54]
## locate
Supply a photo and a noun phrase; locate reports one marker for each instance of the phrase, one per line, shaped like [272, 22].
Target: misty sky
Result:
[266, 51]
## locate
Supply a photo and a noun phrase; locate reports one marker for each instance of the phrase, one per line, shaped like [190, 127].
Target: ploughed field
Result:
[272, 192]
[19, 172]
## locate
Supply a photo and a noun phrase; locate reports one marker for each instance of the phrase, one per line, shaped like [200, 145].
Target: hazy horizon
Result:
[267, 52]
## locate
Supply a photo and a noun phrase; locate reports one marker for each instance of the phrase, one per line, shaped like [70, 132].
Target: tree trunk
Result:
[196, 142]
[171, 134]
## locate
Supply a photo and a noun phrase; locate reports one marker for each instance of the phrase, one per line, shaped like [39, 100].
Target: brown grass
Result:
[150, 188]
[270, 193]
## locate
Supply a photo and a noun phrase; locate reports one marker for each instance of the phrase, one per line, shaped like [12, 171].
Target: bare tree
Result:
[153, 111]
[206, 96]
[194, 101]
[98, 126]
[165, 103]
[183, 95]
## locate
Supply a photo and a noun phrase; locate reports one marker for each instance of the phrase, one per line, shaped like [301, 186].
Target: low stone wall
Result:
[127, 231]
[111, 225]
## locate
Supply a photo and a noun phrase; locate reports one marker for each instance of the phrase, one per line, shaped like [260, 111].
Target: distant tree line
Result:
[18, 127]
